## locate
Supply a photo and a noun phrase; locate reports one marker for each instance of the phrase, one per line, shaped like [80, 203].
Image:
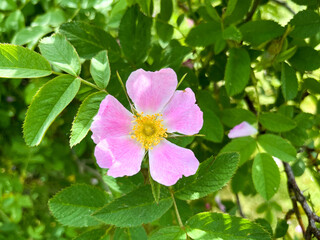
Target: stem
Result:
[125, 92]
[239, 206]
[91, 85]
[177, 211]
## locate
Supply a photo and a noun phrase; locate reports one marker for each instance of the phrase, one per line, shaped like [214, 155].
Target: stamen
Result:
[148, 130]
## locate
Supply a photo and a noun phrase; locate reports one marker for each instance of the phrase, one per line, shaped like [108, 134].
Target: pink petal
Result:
[168, 162]
[242, 130]
[151, 91]
[122, 155]
[112, 120]
[182, 114]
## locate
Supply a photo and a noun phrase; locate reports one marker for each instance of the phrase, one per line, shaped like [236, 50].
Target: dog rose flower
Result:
[242, 130]
[123, 138]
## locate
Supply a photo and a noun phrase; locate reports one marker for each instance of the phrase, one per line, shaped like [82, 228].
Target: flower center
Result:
[148, 130]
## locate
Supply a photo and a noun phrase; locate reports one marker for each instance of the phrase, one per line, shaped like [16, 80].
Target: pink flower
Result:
[242, 130]
[123, 138]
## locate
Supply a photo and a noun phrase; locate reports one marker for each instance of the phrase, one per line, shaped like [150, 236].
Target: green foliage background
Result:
[246, 60]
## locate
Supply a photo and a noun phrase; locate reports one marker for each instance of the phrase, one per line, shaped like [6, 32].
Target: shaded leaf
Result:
[277, 122]
[289, 82]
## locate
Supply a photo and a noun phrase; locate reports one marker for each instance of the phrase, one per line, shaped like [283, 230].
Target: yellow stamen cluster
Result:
[148, 130]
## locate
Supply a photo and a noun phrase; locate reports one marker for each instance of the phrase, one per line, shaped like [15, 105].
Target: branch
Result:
[285, 5]
[298, 196]
[239, 206]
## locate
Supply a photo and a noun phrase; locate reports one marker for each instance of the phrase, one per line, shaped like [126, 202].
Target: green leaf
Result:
[214, 226]
[277, 122]
[46, 105]
[306, 24]
[212, 11]
[137, 233]
[135, 208]
[74, 205]
[245, 146]
[168, 233]
[265, 175]
[277, 147]
[204, 34]
[305, 59]
[232, 33]
[239, 12]
[30, 34]
[312, 85]
[211, 176]
[83, 120]
[165, 10]
[164, 31]
[20, 62]
[174, 54]
[212, 127]
[89, 40]
[261, 31]
[237, 71]
[234, 116]
[100, 69]
[96, 234]
[230, 7]
[61, 54]
[135, 34]
[281, 228]
[289, 82]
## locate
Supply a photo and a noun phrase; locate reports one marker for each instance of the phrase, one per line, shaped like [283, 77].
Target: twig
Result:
[82, 166]
[284, 4]
[298, 196]
[239, 206]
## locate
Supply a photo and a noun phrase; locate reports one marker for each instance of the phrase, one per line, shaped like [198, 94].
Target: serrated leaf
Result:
[46, 105]
[277, 147]
[84, 117]
[20, 62]
[258, 32]
[265, 175]
[164, 31]
[204, 34]
[209, 226]
[135, 208]
[136, 233]
[211, 176]
[277, 122]
[289, 82]
[245, 146]
[135, 34]
[168, 233]
[237, 71]
[306, 24]
[234, 116]
[61, 54]
[74, 205]
[89, 40]
[100, 69]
